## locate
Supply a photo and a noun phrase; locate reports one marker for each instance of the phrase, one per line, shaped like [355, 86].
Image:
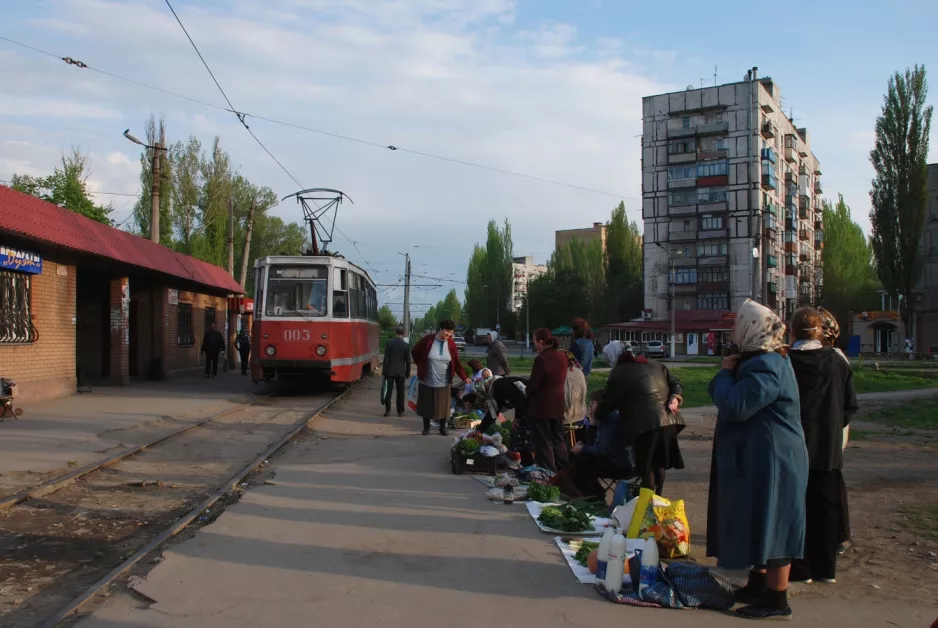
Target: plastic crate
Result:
[476, 463]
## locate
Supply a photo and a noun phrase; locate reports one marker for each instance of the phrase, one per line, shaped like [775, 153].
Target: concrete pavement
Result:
[363, 524]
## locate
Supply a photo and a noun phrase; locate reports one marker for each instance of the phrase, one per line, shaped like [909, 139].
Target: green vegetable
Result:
[565, 518]
[543, 493]
[591, 506]
[503, 429]
[584, 551]
[467, 447]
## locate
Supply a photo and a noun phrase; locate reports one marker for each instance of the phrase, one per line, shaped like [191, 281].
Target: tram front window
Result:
[297, 291]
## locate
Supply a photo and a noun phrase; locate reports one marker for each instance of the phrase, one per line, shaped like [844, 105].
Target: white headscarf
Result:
[612, 351]
[758, 328]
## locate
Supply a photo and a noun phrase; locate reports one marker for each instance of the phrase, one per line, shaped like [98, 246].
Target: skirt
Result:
[434, 404]
[657, 449]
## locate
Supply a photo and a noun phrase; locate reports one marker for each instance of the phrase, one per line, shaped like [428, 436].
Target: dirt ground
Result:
[890, 476]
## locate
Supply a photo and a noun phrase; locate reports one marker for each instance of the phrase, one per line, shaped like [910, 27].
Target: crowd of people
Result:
[777, 499]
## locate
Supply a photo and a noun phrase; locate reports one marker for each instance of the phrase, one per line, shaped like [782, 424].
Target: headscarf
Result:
[628, 356]
[758, 328]
[612, 351]
[830, 328]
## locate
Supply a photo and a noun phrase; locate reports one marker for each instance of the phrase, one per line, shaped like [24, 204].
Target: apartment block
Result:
[596, 232]
[731, 197]
[925, 293]
[523, 270]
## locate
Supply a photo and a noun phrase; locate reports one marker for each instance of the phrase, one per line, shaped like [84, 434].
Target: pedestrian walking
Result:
[547, 401]
[759, 478]
[828, 402]
[582, 346]
[497, 357]
[396, 371]
[213, 343]
[648, 399]
[243, 344]
[437, 360]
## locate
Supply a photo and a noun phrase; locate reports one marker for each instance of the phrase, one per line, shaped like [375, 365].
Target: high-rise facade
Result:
[731, 200]
[523, 271]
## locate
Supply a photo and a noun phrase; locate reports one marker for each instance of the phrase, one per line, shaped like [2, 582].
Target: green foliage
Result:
[489, 280]
[386, 318]
[66, 188]
[448, 308]
[624, 265]
[920, 414]
[899, 188]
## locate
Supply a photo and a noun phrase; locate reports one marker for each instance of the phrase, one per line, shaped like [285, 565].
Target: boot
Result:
[426, 427]
[443, 430]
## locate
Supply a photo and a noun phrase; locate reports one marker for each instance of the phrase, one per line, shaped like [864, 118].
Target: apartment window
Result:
[791, 141]
[15, 313]
[684, 276]
[790, 236]
[768, 168]
[791, 259]
[682, 146]
[714, 168]
[685, 122]
[685, 252]
[683, 196]
[677, 173]
[711, 249]
[185, 335]
[711, 195]
[713, 301]
[713, 275]
[209, 317]
[708, 222]
[712, 143]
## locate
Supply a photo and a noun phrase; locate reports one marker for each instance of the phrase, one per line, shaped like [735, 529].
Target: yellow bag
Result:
[665, 520]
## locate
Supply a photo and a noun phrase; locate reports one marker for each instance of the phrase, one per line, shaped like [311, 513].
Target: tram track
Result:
[66, 540]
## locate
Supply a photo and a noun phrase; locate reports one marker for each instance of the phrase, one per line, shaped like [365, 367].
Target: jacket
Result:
[243, 343]
[756, 508]
[396, 358]
[421, 351]
[506, 395]
[583, 350]
[545, 390]
[574, 395]
[640, 392]
[828, 402]
[213, 342]
[497, 358]
[611, 442]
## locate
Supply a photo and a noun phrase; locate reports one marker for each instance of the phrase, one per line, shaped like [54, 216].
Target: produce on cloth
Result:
[467, 447]
[543, 493]
[586, 547]
[565, 518]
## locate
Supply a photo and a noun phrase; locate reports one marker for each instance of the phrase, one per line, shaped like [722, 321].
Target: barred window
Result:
[209, 317]
[15, 312]
[185, 337]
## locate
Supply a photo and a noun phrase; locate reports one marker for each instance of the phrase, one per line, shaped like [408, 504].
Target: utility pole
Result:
[673, 279]
[246, 251]
[527, 309]
[755, 223]
[231, 235]
[407, 295]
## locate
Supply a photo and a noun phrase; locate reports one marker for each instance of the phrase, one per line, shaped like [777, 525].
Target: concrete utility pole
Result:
[247, 242]
[157, 177]
[673, 279]
[758, 261]
[407, 295]
[231, 235]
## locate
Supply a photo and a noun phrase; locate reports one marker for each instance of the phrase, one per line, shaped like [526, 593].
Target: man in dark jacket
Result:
[396, 370]
[213, 343]
[243, 344]
[497, 357]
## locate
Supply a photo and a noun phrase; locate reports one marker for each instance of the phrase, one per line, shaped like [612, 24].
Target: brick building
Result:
[79, 299]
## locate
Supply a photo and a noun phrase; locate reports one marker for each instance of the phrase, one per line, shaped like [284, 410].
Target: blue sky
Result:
[548, 88]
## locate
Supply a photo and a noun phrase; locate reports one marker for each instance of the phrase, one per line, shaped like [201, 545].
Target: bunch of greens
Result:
[467, 447]
[565, 518]
[503, 429]
[584, 551]
[591, 506]
[543, 493]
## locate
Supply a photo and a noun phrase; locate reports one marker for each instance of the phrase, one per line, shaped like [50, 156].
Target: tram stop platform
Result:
[56, 435]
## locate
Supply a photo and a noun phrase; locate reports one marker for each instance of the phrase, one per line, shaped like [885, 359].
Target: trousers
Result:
[211, 363]
[550, 446]
[398, 383]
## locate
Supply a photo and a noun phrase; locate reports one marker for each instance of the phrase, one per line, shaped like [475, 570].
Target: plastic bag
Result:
[385, 390]
[412, 393]
[663, 519]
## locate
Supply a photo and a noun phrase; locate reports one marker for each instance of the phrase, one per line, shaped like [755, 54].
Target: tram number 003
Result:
[296, 334]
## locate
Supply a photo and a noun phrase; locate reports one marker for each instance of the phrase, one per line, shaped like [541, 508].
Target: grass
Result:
[693, 379]
[923, 519]
[919, 414]
[870, 380]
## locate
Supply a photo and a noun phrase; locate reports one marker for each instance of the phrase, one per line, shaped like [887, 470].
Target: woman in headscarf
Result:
[437, 361]
[756, 507]
[830, 333]
[647, 397]
[827, 399]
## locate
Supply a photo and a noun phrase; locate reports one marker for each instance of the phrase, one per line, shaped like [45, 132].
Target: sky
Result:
[546, 88]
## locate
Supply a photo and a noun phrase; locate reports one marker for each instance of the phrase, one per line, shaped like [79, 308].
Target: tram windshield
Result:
[297, 291]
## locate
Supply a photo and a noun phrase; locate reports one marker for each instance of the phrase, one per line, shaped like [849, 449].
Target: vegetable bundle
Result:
[503, 429]
[565, 518]
[543, 493]
[584, 551]
[467, 447]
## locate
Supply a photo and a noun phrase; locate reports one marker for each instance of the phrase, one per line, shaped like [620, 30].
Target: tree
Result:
[489, 280]
[156, 136]
[66, 187]
[624, 267]
[849, 276]
[386, 318]
[899, 195]
[186, 165]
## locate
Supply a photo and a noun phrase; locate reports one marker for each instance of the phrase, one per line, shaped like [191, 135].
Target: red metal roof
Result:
[32, 218]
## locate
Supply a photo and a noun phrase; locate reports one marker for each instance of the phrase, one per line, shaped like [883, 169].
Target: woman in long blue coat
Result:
[758, 487]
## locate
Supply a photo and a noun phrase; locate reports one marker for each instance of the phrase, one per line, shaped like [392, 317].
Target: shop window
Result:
[15, 313]
[185, 336]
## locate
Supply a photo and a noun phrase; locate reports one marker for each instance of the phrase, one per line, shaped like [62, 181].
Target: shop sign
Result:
[173, 297]
[23, 261]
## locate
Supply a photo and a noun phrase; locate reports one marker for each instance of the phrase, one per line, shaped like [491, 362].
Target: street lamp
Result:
[155, 193]
[672, 277]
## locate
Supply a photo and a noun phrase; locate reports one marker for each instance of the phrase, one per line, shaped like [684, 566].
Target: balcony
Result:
[712, 260]
[791, 148]
[791, 177]
[818, 245]
[713, 286]
[790, 247]
[804, 213]
[791, 270]
[767, 106]
[804, 202]
[818, 188]
[682, 235]
[771, 223]
[681, 210]
[769, 181]
[769, 155]
[771, 261]
[682, 131]
[682, 183]
[682, 158]
[712, 233]
[803, 234]
[716, 153]
[713, 128]
[773, 287]
[818, 225]
[771, 208]
[768, 131]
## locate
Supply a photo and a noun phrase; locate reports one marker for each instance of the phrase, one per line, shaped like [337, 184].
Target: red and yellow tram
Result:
[315, 317]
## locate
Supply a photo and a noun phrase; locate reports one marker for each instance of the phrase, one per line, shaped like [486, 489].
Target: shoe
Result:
[828, 580]
[758, 611]
[801, 580]
[443, 430]
[844, 547]
[400, 414]
[746, 595]
[387, 414]
[425, 432]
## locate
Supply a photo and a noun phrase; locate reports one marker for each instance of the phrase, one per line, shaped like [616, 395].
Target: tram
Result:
[315, 318]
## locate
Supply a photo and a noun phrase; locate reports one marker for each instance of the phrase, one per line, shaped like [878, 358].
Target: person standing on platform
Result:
[547, 402]
[582, 346]
[243, 344]
[396, 370]
[213, 343]
[437, 360]
[497, 356]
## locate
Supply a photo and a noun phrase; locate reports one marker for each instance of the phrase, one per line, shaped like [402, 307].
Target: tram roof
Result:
[309, 260]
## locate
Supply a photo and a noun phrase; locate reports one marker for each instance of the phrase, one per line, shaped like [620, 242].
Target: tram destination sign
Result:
[22, 261]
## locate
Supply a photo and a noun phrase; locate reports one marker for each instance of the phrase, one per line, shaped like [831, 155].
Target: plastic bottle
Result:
[602, 553]
[649, 572]
[615, 568]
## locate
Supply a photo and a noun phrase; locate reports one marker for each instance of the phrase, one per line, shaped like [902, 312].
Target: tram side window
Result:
[354, 290]
[340, 293]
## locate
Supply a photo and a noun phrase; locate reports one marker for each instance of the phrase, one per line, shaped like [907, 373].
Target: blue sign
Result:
[13, 259]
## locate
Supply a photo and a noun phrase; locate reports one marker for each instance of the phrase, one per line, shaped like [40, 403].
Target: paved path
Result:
[365, 526]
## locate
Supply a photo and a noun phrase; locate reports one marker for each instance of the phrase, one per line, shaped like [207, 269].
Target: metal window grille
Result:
[16, 324]
[184, 333]
[209, 317]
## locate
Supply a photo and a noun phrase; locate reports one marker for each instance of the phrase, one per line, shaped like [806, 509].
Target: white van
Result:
[481, 336]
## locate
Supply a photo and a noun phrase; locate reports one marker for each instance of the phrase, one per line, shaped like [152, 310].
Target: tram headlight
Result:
[270, 350]
[320, 350]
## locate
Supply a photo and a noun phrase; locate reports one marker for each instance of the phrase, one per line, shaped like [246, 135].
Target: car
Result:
[656, 348]
[460, 343]
[933, 352]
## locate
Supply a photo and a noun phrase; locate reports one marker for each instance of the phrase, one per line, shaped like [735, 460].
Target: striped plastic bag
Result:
[412, 393]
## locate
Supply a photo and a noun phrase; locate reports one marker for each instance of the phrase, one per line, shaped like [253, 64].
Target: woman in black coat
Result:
[828, 402]
[647, 397]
